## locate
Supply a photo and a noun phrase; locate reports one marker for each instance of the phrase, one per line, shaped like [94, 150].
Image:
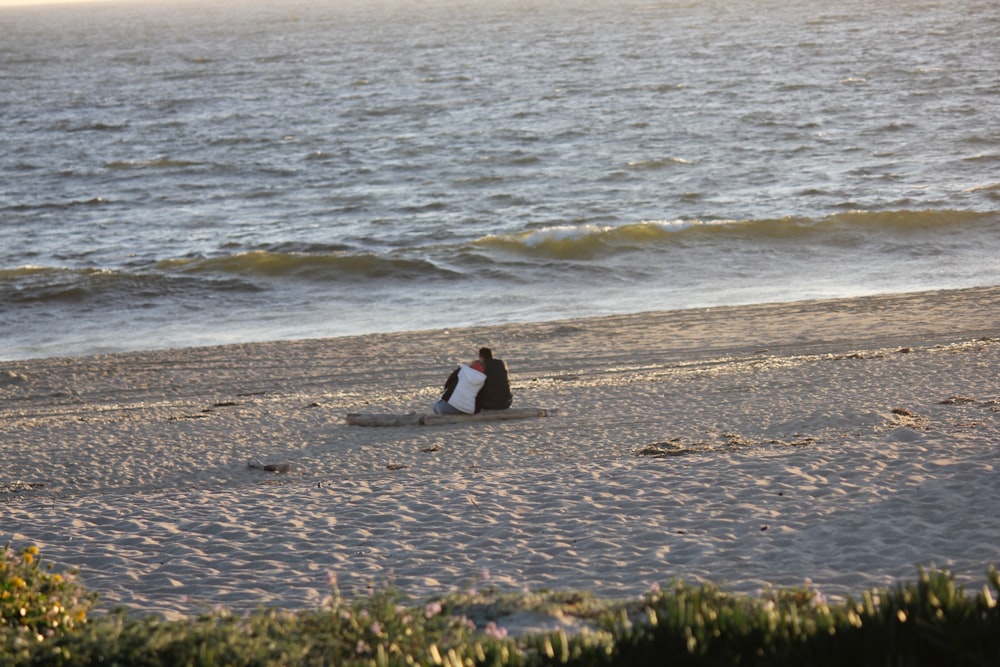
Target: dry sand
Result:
[845, 441]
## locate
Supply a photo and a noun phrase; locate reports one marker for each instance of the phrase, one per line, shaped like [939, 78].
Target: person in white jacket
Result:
[461, 389]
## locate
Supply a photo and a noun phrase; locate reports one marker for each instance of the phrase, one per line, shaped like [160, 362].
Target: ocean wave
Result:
[571, 242]
[40, 206]
[158, 163]
[27, 284]
[35, 285]
[626, 252]
[988, 187]
[188, 278]
[584, 241]
[335, 266]
[74, 125]
[657, 163]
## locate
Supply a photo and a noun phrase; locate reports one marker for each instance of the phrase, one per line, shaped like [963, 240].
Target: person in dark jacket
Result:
[495, 394]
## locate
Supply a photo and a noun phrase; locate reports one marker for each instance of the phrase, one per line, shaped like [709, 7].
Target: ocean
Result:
[181, 174]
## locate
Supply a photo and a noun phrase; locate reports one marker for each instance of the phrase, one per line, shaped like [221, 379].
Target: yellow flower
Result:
[17, 582]
[29, 558]
[33, 550]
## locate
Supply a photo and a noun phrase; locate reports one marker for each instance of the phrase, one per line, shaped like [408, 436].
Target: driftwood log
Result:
[383, 419]
[415, 419]
[269, 467]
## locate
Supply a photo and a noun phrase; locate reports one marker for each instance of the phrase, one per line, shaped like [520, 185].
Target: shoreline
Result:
[846, 440]
[658, 316]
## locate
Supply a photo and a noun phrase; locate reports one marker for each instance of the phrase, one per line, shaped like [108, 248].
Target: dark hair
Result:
[486, 353]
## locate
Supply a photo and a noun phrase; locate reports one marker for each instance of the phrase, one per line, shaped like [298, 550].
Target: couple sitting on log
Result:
[481, 385]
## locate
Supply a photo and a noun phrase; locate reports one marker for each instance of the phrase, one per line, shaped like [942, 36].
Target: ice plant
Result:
[34, 599]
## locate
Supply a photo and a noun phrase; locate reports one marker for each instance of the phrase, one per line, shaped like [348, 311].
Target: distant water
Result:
[193, 174]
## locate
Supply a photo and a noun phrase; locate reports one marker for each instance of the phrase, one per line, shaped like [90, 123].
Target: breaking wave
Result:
[588, 241]
[517, 258]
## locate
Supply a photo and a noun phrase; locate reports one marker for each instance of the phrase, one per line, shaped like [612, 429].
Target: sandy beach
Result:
[843, 441]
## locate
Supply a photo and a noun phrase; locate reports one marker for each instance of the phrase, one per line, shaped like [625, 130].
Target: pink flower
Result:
[432, 609]
[495, 631]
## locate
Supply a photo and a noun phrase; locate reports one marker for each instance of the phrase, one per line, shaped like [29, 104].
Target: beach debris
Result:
[734, 440]
[278, 468]
[955, 400]
[432, 448]
[730, 442]
[908, 419]
[476, 505]
[863, 354]
[802, 441]
[220, 404]
[396, 466]
[11, 488]
[663, 449]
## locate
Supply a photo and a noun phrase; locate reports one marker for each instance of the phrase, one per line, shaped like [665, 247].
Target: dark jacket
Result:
[495, 394]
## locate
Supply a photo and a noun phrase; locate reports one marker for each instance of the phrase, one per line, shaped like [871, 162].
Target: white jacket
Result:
[470, 381]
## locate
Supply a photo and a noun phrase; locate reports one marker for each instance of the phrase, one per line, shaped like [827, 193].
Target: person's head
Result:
[485, 354]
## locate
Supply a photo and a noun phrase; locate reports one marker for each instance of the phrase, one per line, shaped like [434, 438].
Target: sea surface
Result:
[177, 174]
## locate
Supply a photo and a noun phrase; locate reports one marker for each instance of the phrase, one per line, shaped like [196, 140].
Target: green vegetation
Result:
[932, 621]
[37, 604]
